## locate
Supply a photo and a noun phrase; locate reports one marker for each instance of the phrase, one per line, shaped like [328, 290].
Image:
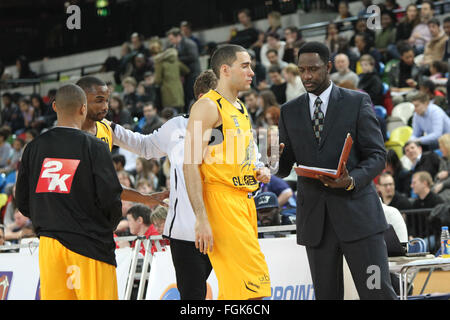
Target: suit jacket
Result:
[354, 214]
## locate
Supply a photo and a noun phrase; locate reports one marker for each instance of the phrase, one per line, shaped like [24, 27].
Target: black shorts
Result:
[192, 269]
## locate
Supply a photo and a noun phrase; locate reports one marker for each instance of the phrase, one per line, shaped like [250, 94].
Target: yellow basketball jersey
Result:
[104, 133]
[231, 154]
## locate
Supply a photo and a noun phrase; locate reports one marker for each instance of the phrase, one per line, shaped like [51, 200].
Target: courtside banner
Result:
[288, 267]
[19, 273]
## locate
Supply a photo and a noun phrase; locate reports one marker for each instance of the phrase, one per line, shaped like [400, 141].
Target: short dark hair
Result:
[434, 21]
[69, 97]
[246, 11]
[316, 47]
[404, 47]
[119, 158]
[140, 211]
[87, 83]
[416, 142]
[272, 51]
[225, 54]
[206, 81]
[447, 19]
[274, 69]
[430, 3]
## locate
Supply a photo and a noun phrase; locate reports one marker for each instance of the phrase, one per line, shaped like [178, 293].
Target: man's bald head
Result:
[70, 98]
[341, 62]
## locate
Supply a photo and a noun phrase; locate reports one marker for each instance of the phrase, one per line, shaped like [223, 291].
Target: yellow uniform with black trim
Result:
[104, 133]
[228, 176]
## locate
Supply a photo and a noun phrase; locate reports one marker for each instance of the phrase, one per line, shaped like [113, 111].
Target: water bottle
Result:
[445, 243]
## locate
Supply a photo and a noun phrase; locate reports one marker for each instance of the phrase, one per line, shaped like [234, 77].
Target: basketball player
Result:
[221, 176]
[68, 187]
[97, 94]
[192, 268]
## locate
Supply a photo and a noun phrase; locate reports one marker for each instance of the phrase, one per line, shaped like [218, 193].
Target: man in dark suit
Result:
[343, 216]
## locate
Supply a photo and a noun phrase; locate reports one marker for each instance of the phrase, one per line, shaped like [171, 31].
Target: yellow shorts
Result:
[238, 262]
[66, 275]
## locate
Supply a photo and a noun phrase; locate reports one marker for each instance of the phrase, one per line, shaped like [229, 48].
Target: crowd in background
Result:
[405, 60]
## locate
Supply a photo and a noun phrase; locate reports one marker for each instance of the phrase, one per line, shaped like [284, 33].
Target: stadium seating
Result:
[404, 111]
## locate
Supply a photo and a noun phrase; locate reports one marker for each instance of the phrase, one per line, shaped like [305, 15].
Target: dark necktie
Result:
[317, 120]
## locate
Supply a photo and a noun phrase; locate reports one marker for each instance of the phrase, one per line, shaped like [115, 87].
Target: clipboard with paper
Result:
[313, 172]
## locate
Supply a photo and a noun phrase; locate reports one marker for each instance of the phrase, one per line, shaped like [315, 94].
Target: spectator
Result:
[405, 73]
[138, 217]
[19, 229]
[421, 35]
[286, 198]
[150, 121]
[130, 98]
[117, 113]
[364, 45]
[391, 5]
[144, 186]
[27, 112]
[119, 162]
[389, 196]
[140, 67]
[442, 180]
[151, 89]
[446, 56]
[343, 72]
[268, 209]
[294, 87]
[344, 48]
[187, 54]
[248, 35]
[167, 114]
[361, 27]
[408, 23]
[429, 121]
[186, 31]
[421, 184]
[267, 99]
[331, 37]
[144, 169]
[273, 44]
[125, 66]
[125, 178]
[370, 81]
[387, 34]
[44, 115]
[8, 109]
[279, 85]
[5, 147]
[421, 160]
[137, 45]
[255, 110]
[23, 68]
[435, 96]
[344, 13]
[438, 70]
[435, 48]
[402, 177]
[272, 116]
[259, 79]
[274, 60]
[291, 36]
[168, 72]
[158, 218]
[15, 155]
[274, 20]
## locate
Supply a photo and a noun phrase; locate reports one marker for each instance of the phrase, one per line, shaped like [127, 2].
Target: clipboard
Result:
[313, 172]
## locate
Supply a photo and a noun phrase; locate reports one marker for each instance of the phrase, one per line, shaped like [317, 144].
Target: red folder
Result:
[313, 172]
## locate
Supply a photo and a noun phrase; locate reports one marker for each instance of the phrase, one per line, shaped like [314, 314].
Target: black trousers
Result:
[192, 269]
[367, 260]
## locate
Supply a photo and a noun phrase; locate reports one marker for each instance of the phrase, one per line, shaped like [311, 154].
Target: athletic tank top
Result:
[104, 133]
[231, 154]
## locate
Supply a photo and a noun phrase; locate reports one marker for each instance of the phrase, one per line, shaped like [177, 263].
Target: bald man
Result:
[68, 187]
[343, 73]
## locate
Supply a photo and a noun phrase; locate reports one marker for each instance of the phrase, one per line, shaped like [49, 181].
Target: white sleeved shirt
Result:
[166, 141]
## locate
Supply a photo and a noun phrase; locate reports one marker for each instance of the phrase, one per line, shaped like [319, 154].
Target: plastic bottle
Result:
[445, 243]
